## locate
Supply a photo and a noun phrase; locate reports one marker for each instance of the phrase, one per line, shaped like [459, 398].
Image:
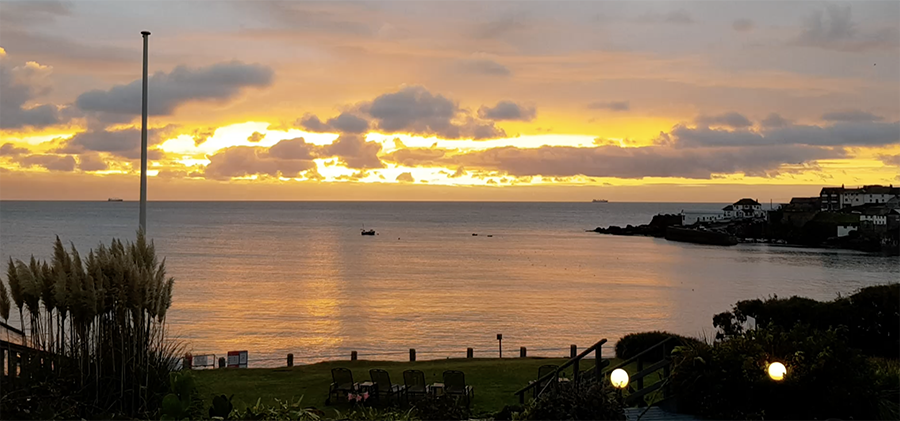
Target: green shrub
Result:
[635, 343]
[728, 380]
[887, 383]
[440, 408]
[872, 316]
[570, 402]
[280, 411]
[183, 400]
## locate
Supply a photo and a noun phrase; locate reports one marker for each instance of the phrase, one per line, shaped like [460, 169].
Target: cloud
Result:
[412, 157]
[461, 171]
[293, 149]
[415, 110]
[200, 136]
[508, 110]
[240, 161]
[91, 162]
[125, 143]
[15, 93]
[651, 161]
[256, 137]
[677, 17]
[892, 160]
[835, 30]
[405, 178]
[484, 66]
[311, 123]
[612, 105]
[349, 123]
[680, 17]
[51, 162]
[732, 119]
[851, 115]
[838, 134]
[355, 152]
[8, 149]
[774, 120]
[219, 82]
[34, 12]
[742, 25]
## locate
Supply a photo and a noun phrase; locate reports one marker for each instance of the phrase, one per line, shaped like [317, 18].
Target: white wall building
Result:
[835, 198]
[844, 230]
[744, 208]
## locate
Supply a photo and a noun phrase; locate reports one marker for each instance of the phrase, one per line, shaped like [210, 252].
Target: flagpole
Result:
[146, 35]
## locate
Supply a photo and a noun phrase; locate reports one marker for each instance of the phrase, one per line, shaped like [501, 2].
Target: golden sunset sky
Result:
[425, 100]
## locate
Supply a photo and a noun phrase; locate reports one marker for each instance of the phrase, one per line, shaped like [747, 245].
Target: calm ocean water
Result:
[296, 277]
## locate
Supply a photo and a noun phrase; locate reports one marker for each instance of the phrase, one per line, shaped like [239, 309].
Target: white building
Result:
[835, 198]
[874, 219]
[744, 208]
[692, 217]
[844, 230]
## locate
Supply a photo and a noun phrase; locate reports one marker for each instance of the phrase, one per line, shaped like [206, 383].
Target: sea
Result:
[273, 278]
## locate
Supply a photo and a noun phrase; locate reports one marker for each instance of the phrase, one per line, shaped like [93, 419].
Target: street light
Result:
[619, 378]
[777, 371]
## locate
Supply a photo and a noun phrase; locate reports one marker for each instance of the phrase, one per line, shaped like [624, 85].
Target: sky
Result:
[678, 101]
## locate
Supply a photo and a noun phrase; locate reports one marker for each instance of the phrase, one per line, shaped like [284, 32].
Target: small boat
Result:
[114, 199]
[599, 201]
[365, 232]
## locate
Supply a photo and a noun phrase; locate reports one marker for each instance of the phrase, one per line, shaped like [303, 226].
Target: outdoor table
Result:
[435, 388]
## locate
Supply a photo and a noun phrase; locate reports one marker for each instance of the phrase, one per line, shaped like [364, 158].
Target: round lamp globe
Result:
[619, 378]
[777, 371]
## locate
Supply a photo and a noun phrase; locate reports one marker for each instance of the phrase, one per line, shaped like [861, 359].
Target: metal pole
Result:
[145, 34]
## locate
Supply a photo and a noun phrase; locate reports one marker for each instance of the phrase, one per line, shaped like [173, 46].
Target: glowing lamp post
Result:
[619, 378]
[777, 371]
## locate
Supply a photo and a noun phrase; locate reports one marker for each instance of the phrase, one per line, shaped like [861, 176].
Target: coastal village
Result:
[864, 218]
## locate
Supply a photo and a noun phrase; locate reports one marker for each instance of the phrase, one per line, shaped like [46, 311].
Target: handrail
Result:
[555, 373]
[663, 364]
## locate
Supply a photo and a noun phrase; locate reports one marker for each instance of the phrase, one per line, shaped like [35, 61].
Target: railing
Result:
[19, 361]
[637, 378]
[574, 363]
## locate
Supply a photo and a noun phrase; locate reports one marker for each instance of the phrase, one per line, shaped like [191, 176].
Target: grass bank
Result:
[495, 380]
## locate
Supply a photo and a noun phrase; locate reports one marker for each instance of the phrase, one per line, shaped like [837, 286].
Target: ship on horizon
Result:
[114, 199]
[599, 201]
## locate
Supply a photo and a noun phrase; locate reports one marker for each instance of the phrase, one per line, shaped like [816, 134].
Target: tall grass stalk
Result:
[101, 320]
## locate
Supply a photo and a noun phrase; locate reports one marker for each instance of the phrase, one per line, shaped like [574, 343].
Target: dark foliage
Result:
[440, 408]
[872, 317]
[635, 343]
[826, 378]
[569, 402]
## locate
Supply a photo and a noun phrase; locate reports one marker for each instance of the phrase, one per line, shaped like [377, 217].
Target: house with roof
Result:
[744, 208]
[836, 198]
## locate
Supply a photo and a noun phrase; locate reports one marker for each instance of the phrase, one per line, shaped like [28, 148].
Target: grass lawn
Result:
[495, 380]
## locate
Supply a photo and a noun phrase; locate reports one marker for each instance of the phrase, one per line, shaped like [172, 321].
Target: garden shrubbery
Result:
[571, 402]
[635, 343]
[872, 317]
[826, 378]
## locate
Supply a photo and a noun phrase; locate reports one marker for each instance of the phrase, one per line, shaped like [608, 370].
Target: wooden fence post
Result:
[573, 351]
[522, 352]
[353, 355]
[412, 354]
[470, 353]
[290, 360]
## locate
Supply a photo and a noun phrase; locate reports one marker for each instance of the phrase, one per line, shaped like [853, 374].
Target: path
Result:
[655, 413]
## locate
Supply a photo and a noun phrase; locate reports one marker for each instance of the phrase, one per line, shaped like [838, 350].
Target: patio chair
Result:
[455, 385]
[543, 371]
[383, 385]
[414, 384]
[342, 383]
